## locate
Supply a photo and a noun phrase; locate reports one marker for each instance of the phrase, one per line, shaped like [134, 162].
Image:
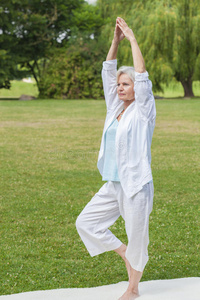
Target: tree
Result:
[7, 64]
[186, 51]
[76, 71]
[171, 45]
[168, 34]
[38, 26]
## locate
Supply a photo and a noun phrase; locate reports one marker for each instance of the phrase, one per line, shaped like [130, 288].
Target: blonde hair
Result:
[130, 71]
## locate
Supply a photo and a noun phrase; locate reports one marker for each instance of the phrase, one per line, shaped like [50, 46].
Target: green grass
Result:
[18, 87]
[49, 152]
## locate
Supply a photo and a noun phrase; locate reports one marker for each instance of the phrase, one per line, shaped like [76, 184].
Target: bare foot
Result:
[129, 295]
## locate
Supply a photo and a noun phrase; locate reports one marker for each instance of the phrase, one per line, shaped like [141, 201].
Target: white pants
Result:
[104, 209]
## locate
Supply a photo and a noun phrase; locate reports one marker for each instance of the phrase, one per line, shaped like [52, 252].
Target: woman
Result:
[124, 162]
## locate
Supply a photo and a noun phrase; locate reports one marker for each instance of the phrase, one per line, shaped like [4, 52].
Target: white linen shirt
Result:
[134, 132]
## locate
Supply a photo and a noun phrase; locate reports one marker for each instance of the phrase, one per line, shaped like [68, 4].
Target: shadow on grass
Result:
[5, 98]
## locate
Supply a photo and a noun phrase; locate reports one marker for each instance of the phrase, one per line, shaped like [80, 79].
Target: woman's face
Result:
[125, 88]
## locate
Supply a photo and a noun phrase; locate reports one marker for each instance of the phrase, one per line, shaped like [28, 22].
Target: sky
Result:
[91, 1]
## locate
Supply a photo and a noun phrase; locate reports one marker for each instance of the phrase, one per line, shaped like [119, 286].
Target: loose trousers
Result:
[104, 209]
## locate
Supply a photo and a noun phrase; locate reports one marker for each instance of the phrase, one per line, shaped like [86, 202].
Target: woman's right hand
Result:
[127, 32]
[118, 34]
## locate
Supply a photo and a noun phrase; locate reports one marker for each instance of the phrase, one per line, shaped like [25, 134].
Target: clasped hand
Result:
[122, 30]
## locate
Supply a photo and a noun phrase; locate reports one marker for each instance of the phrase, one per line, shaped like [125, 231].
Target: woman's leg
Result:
[136, 211]
[136, 214]
[122, 252]
[95, 219]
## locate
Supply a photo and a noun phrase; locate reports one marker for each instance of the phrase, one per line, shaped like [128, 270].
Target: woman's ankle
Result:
[133, 290]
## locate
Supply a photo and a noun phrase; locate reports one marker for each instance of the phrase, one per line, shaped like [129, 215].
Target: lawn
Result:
[49, 152]
[19, 87]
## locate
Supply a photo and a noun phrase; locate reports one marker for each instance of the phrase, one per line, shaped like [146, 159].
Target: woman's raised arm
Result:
[142, 85]
[118, 37]
[138, 60]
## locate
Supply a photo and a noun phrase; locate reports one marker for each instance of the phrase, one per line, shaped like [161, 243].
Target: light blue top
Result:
[110, 172]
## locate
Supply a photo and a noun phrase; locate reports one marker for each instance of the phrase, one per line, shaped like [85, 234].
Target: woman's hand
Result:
[118, 34]
[124, 29]
[138, 60]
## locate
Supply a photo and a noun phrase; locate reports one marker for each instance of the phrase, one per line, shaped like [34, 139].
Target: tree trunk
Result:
[33, 72]
[187, 85]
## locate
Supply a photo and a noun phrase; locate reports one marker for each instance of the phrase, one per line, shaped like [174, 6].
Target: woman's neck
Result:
[127, 103]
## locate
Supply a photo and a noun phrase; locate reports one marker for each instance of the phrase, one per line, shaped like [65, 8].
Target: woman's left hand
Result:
[118, 34]
[125, 29]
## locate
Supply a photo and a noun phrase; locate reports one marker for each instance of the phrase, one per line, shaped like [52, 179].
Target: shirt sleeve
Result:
[109, 79]
[144, 96]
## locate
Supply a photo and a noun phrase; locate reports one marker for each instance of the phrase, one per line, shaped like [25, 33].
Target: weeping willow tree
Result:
[168, 34]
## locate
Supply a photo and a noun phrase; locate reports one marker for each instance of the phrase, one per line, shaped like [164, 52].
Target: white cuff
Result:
[141, 76]
[110, 64]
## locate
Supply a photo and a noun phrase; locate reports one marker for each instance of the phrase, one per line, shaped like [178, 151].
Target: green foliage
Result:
[74, 72]
[32, 28]
[5, 71]
[7, 64]
[167, 32]
[112, 8]
[88, 20]
[155, 38]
